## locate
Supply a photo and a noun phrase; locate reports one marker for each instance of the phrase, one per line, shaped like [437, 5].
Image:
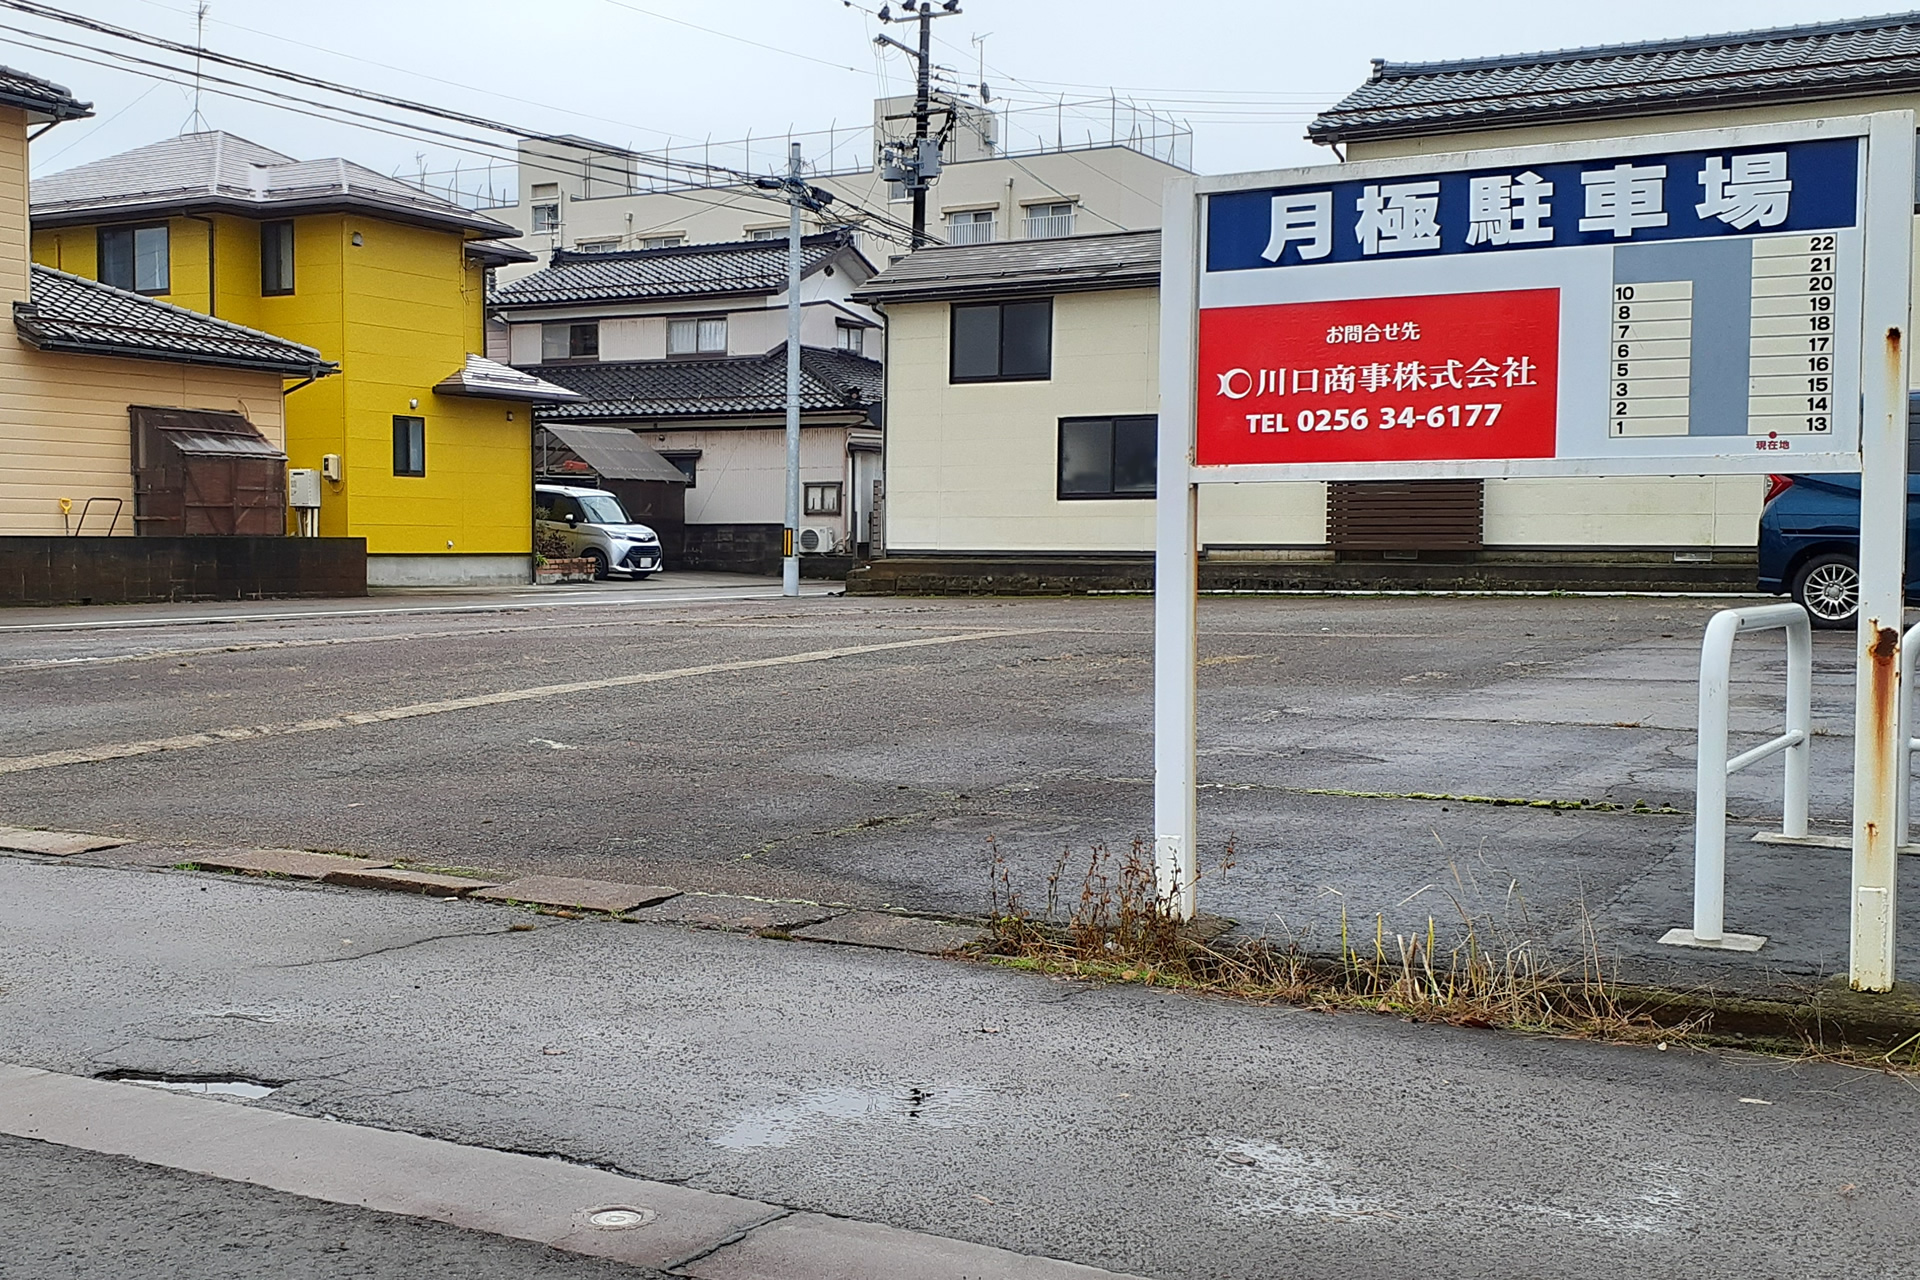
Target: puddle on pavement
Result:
[221, 1088]
[779, 1123]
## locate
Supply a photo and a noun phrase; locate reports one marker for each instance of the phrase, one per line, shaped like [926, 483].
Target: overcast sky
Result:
[1246, 73]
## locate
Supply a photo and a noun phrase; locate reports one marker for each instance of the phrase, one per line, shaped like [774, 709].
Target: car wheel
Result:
[1828, 588]
[598, 559]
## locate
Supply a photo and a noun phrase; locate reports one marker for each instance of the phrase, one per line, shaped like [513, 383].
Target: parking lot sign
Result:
[1706, 303]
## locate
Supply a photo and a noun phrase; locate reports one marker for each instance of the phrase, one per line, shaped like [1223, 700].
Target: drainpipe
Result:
[212, 278]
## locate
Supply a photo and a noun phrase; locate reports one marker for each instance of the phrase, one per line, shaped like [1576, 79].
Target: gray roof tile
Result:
[72, 313]
[197, 171]
[1819, 61]
[731, 386]
[733, 269]
[41, 99]
[1123, 260]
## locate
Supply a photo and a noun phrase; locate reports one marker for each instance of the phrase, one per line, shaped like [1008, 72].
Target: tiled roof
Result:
[731, 386]
[1824, 60]
[41, 99]
[733, 269]
[200, 171]
[1123, 260]
[71, 313]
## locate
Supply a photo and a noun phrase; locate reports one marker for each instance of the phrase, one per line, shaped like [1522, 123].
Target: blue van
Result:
[1810, 538]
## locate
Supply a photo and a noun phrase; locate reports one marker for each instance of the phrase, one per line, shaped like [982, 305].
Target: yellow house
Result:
[424, 446]
[83, 362]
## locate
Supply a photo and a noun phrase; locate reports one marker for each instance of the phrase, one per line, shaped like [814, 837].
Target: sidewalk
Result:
[1123, 1128]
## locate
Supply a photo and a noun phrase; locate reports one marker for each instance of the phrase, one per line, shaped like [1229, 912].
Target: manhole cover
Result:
[618, 1218]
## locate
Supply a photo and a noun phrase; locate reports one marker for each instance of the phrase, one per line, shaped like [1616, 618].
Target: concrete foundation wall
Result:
[449, 571]
[39, 571]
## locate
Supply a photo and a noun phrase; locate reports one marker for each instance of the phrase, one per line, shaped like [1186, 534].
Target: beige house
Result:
[1053, 456]
[84, 362]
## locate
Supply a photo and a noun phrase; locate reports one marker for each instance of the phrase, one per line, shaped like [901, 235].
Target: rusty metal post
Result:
[1878, 748]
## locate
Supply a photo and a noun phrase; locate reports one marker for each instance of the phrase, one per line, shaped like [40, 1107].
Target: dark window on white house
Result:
[409, 446]
[1109, 457]
[570, 341]
[688, 462]
[276, 259]
[822, 499]
[1002, 341]
[135, 258]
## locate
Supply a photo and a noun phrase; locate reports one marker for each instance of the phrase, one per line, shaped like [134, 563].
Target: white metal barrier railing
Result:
[1714, 768]
[1909, 659]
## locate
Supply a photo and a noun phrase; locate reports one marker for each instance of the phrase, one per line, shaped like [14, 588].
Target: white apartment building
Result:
[1092, 168]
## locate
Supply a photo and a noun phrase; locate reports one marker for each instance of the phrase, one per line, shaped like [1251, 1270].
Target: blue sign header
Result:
[1789, 186]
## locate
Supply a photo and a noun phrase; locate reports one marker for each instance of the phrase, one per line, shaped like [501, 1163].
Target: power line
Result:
[49, 13]
[728, 35]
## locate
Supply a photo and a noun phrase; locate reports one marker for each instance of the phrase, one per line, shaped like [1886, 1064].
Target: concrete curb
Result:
[1828, 1016]
[683, 1231]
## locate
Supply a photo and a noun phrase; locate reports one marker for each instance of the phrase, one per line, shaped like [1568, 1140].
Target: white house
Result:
[686, 346]
[1048, 452]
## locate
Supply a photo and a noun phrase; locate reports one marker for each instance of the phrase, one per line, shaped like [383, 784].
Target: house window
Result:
[1049, 221]
[1003, 341]
[135, 258]
[409, 446]
[850, 338]
[766, 233]
[673, 241]
[688, 461]
[276, 259]
[546, 217]
[569, 342]
[697, 336]
[1108, 457]
[598, 246]
[973, 226]
[897, 193]
[823, 499]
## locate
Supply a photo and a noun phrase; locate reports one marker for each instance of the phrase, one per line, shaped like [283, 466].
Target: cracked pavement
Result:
[1124, 1127]
[894, 776]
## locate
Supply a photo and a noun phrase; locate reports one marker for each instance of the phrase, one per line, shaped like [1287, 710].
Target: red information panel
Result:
[1436, 378]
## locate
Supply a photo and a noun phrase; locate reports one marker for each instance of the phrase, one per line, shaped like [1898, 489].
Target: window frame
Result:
[573, 344]
[810, 506]
[274, 229]
[1113, 422]
[687, 461]
[132, 230]
[415, 426]
[699, 323]
[955, 377]
[545, 217]
[850, 338]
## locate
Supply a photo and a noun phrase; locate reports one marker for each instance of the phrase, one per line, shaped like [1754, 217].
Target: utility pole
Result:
[799, 196]
[790, 565]
[918, 168]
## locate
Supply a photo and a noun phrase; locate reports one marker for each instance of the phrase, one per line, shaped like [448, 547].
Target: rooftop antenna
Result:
[199, 43]
[980, 85]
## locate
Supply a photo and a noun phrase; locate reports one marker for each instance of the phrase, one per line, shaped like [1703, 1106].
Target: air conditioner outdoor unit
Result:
[818, 539]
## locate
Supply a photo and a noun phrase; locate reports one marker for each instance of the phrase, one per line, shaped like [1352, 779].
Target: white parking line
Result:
[511, 605]
[412, 711]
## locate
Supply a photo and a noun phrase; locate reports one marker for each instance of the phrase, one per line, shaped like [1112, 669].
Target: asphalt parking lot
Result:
[885, 752]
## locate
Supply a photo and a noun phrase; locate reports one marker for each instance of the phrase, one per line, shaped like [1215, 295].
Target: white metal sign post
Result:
[1718, 302]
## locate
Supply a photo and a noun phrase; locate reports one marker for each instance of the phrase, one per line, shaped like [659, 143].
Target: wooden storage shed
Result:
[199, 472]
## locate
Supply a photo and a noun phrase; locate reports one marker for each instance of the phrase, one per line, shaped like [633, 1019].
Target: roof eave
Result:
[186, 204]
[1473, 122]
[502, 303]
[73, 346]
[47, 110]
[968, 290]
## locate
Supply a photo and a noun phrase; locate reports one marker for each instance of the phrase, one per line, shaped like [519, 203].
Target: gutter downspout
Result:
[212, 277]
